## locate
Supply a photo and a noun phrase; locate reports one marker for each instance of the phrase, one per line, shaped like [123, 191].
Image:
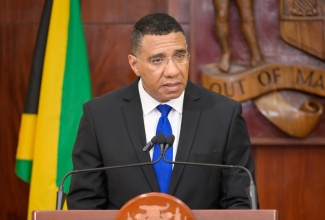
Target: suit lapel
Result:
[133, 115]
[190, 120]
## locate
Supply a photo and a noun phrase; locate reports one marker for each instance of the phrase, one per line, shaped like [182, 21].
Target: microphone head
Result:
[170, 139]
[154, 139]
[161, 138]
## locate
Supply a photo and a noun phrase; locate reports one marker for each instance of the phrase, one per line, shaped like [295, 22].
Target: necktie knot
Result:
[164, 109]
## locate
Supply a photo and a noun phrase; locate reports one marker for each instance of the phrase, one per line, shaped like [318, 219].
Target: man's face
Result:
[163, 83]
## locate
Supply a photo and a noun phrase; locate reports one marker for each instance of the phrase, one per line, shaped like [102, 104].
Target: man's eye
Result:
[180, 56]
[157, 61]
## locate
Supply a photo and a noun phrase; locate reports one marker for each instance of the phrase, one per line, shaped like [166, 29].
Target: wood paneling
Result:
[108, 48]
[16, 44]
[289, 177]
[122, 11]
[20, 11]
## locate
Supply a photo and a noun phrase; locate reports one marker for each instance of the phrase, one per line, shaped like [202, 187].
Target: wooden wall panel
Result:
[180, 10]
[16, 43]
[108, 48]
[18, 28]
[290, 178]
[119, 12]
[20, 11]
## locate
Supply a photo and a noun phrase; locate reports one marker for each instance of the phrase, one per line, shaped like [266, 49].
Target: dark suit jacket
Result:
[111, 132]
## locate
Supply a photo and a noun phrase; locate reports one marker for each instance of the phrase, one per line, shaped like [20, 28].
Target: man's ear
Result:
[133, 64]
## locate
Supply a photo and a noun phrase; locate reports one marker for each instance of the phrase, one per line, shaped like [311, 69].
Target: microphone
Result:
[150, 144]
[169, 142]
[160, 139]
[250, 190]
[161, 142]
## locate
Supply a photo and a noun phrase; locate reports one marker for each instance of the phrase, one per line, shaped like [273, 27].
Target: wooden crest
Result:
[155, 206]
[302, 25]
[277, 89]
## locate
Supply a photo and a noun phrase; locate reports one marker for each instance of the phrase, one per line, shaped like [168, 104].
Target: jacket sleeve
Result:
[88, 190]
[238, 152]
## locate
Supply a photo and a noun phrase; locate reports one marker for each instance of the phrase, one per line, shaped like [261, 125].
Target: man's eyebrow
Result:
[163, 54]
[180, 51]
[156, 55]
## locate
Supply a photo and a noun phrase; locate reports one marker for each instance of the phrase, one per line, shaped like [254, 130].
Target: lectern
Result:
[156, 206]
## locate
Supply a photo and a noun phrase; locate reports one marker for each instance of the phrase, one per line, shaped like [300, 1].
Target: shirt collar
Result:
[148, 103]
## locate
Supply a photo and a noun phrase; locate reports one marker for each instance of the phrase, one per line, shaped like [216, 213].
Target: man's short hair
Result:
[153, 24]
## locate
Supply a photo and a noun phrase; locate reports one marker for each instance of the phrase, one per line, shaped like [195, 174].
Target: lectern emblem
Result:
[154, 212]
[155, 206]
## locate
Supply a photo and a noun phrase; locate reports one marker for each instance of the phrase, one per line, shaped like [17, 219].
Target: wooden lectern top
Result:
[198, 214]
[156, 206]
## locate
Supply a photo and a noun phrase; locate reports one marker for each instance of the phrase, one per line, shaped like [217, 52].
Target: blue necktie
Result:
[163, 170]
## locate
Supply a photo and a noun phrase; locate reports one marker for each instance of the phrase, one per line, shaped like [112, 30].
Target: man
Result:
[114, 128]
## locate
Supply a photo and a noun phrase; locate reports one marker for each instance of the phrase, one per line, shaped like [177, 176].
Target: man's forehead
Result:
[173, 42]
[173, 36]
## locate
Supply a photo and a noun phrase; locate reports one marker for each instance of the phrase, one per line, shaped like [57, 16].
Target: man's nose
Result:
[171, 69]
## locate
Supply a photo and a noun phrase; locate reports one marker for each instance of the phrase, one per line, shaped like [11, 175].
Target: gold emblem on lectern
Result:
[155, 206]
[154, 212]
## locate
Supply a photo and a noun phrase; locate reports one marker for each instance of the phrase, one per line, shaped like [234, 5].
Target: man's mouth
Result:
[171, 87]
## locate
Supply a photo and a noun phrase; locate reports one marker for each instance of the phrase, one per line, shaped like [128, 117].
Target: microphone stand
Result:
[61, 195]
[250, 190]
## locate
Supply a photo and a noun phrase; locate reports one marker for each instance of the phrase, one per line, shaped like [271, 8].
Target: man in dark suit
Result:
[208, 128]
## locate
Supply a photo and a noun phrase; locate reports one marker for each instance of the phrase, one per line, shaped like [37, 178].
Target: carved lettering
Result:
[311, 79]
[266, 78]
[307, 80]
[241, 87]
[256, 82]
[228, 89]
[276, 75]
[216, 87]
[319, 82]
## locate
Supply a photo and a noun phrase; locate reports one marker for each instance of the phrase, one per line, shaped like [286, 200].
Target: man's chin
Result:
[168, 97]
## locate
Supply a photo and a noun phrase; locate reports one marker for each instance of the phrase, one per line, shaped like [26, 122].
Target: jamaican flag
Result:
[58, 86]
